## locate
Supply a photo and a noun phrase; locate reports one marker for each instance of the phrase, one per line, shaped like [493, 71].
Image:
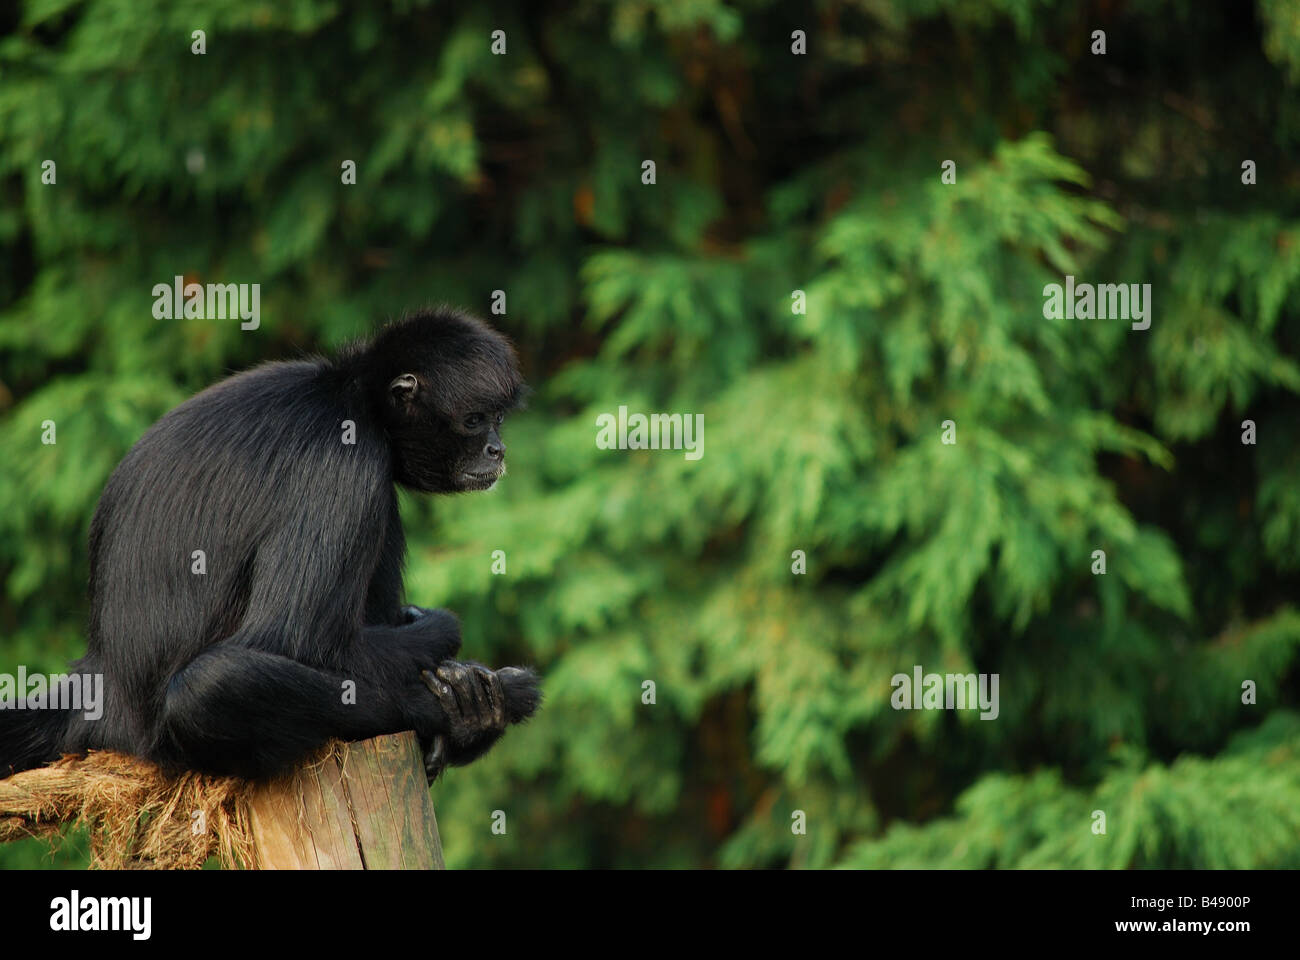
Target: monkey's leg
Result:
[236, 710]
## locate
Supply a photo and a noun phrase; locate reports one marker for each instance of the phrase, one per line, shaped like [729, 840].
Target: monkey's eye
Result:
[501, 418]
[474, 421]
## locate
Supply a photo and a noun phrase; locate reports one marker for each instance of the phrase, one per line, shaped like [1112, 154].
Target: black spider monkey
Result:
[289, 628]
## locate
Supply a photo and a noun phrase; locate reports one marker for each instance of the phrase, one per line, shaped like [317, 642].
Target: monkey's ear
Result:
[403, 387]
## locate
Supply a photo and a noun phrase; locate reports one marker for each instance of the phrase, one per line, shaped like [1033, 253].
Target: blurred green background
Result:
[776, 172]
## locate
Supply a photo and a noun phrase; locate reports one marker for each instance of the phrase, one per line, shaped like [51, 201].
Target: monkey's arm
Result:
[243, 711]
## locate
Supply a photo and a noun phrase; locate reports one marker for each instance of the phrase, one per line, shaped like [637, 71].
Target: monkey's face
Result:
[445, 451]
[482, 459]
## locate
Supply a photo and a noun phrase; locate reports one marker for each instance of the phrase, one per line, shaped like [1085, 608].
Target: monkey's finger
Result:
[479, 679]
[474, 684]
[445, 694]
[478, 693]
[462, 682]
[494, 694]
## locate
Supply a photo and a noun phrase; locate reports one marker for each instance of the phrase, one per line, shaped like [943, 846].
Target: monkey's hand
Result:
[412, 613]
[478, 704]
[435, 632]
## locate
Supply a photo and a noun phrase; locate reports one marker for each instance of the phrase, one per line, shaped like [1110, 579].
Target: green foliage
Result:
[776, 173]
[1236, 811]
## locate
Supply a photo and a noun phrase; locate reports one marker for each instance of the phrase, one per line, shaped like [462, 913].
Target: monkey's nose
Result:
[494, 451]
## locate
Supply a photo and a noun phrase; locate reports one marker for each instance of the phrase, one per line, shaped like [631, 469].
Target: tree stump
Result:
[364, 806]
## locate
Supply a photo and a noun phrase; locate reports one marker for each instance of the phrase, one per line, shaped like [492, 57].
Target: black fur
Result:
[241, 670]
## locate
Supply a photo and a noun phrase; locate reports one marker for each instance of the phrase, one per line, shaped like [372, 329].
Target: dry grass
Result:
[139, 818]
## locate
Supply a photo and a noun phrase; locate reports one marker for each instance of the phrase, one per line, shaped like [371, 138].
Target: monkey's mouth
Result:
[479, 481]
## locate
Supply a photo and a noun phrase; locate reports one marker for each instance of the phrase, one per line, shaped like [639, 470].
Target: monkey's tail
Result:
[29, 738]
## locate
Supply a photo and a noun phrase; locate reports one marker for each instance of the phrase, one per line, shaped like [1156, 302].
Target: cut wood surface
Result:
[365, 806]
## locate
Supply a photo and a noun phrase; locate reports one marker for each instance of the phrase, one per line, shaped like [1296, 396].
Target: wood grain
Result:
[365, 806]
